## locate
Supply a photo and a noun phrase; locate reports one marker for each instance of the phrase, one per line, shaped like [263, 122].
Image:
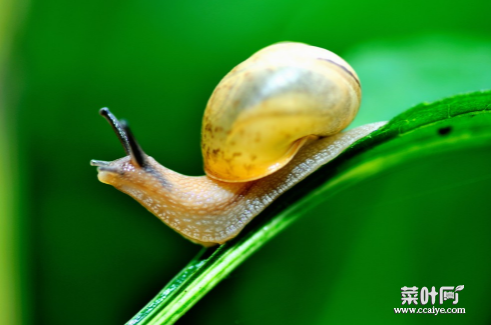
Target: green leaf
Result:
[455, 122]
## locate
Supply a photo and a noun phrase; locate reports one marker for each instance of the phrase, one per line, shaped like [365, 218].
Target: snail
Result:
[271, 121]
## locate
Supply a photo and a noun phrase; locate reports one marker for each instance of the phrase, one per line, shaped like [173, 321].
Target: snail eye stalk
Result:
[113, 121]
[125, 136]
[137, 154]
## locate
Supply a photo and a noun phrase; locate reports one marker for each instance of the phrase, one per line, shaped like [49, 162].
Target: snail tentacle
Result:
[116, 125]
[136, 152]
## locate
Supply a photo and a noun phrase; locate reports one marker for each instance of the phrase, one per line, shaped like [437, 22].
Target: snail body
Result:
[271, 121]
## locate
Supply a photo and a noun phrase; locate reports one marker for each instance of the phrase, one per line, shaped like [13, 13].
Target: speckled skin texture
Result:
[265, 109]
[209, 211]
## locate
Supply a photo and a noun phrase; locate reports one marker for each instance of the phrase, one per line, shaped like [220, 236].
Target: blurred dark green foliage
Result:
[94, 256]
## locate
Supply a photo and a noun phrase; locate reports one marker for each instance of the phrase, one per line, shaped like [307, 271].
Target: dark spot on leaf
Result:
[445, 130]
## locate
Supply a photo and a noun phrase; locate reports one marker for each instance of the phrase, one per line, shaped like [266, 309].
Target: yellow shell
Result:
[265, 109]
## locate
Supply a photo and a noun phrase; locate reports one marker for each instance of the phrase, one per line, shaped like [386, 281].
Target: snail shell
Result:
[272, 121]
[266, 108]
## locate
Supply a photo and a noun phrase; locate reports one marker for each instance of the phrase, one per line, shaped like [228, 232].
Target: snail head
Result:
[126, 169]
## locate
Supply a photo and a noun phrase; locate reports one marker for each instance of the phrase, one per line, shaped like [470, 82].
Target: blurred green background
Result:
[75, 251]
